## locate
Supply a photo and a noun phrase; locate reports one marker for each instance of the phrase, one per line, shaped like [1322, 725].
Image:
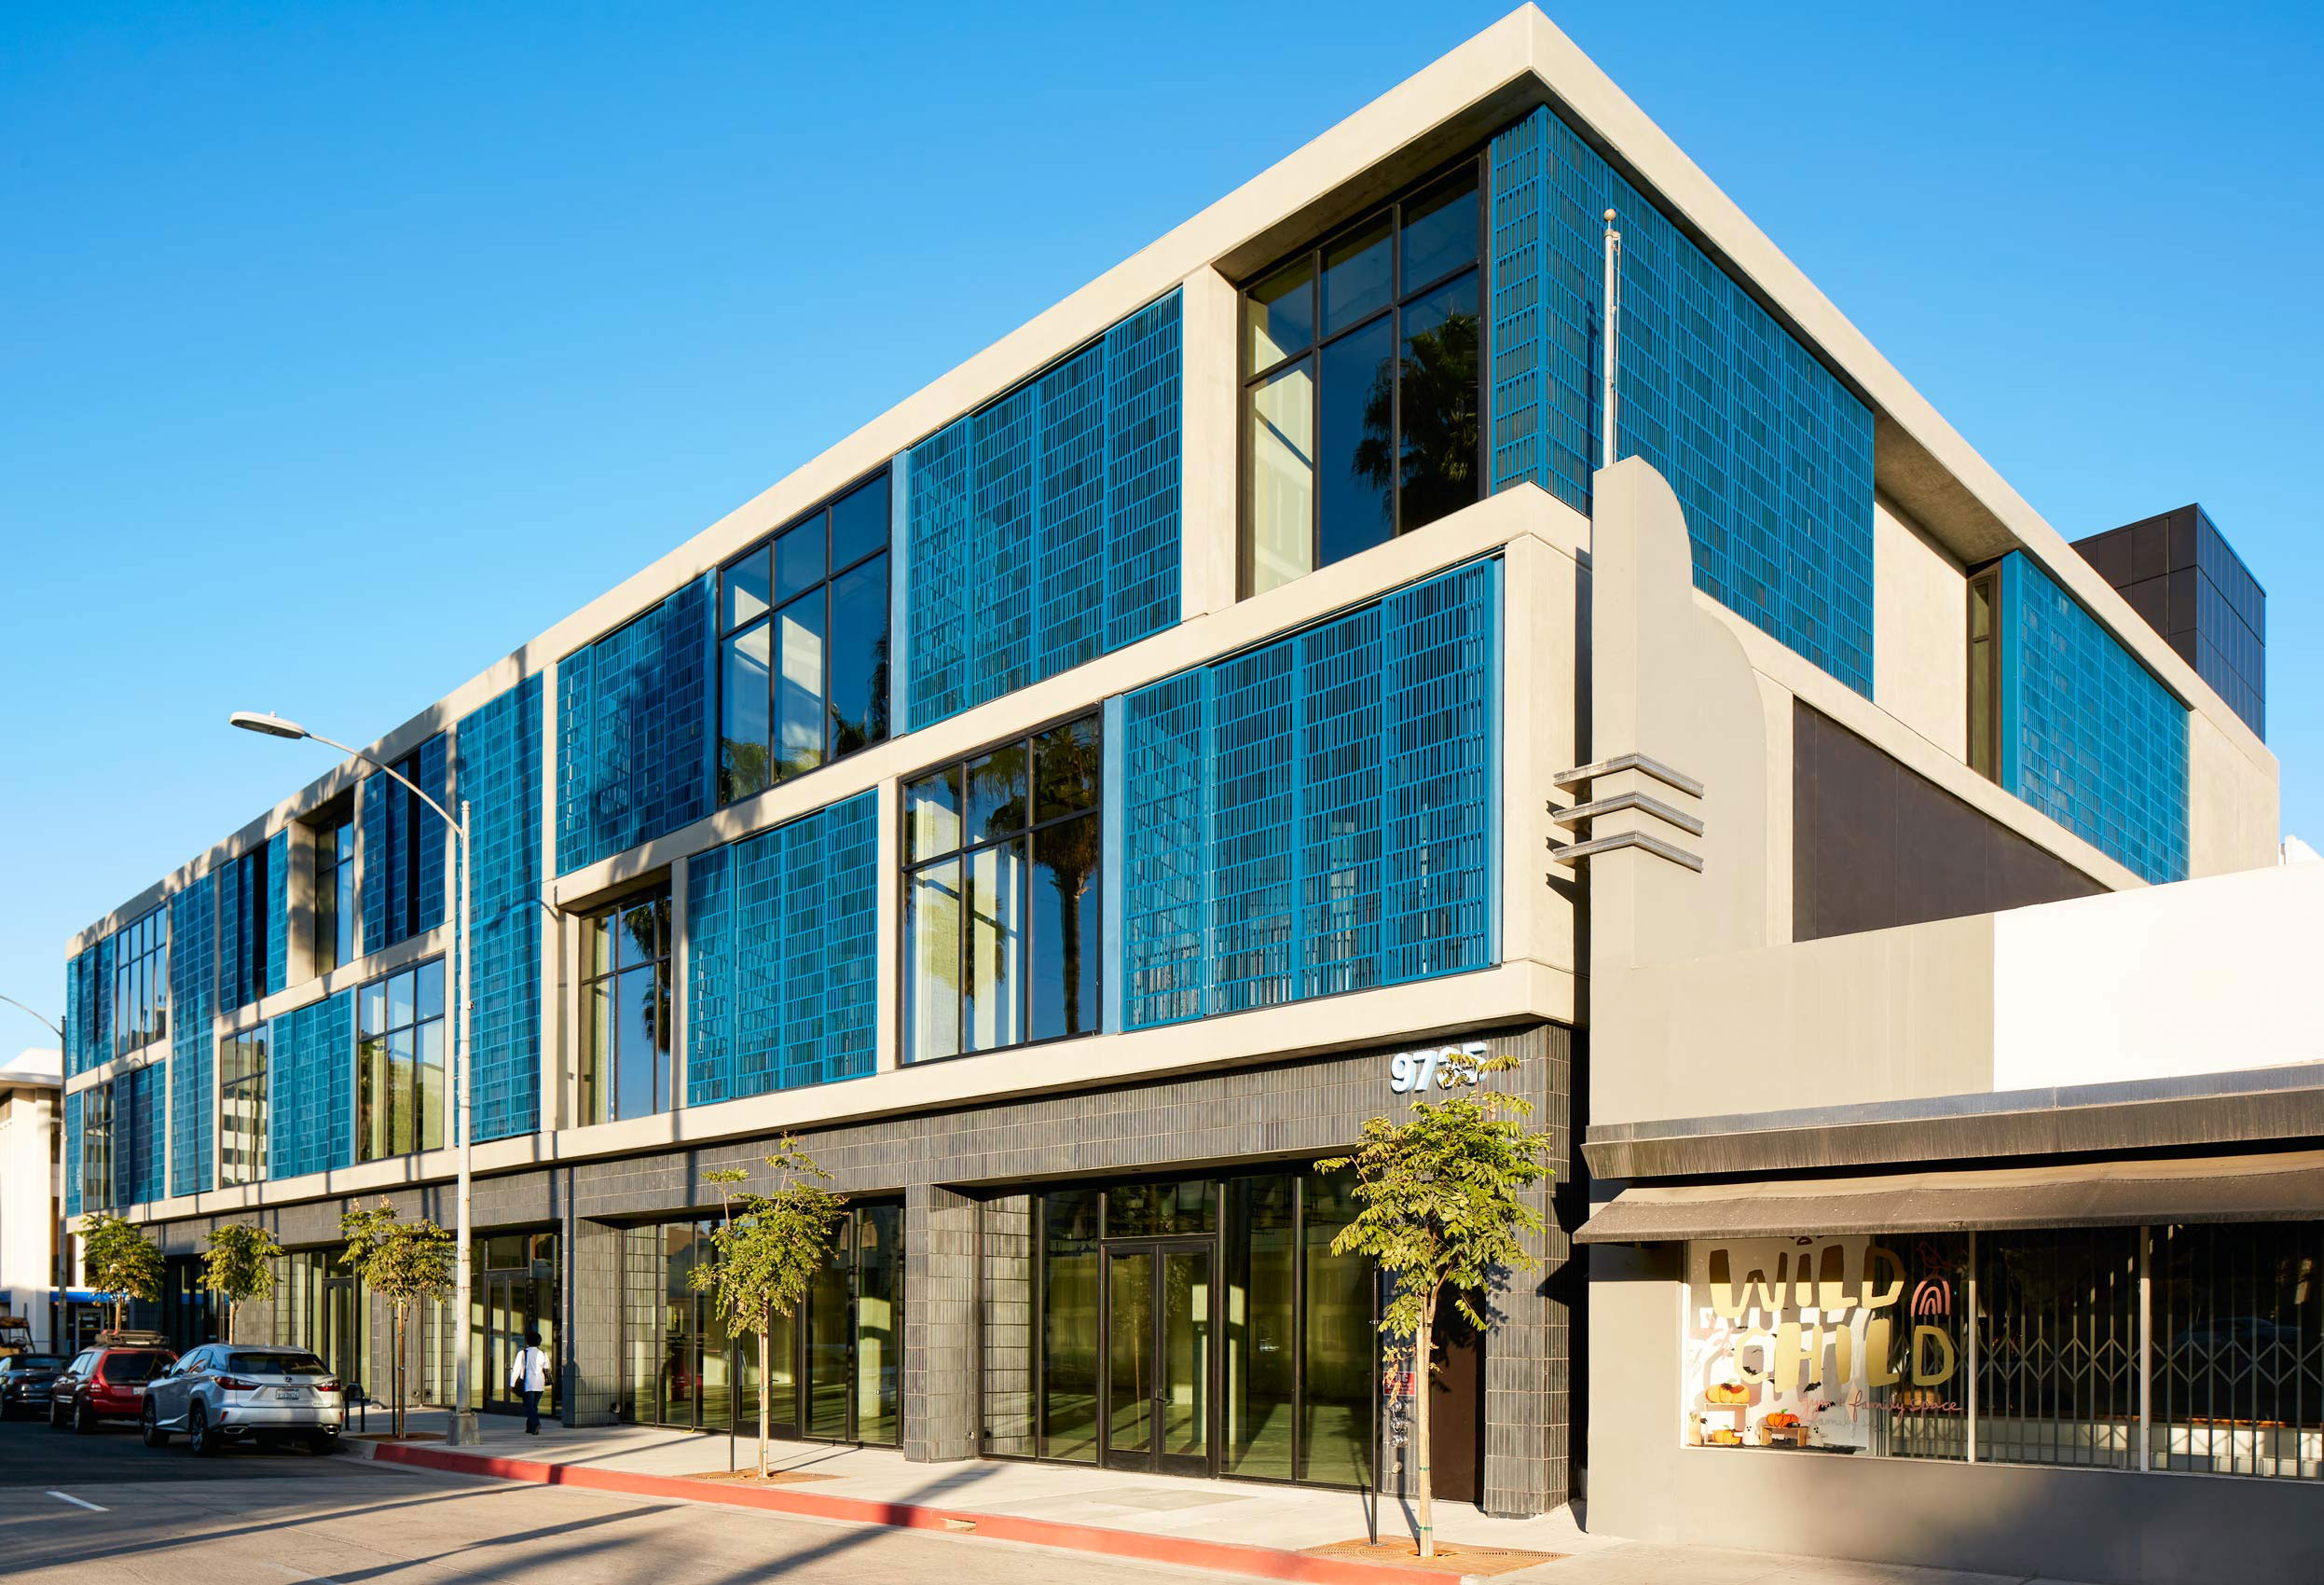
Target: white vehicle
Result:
[244, 1392]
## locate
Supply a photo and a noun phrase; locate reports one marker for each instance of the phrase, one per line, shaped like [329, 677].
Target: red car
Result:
[105, 1382]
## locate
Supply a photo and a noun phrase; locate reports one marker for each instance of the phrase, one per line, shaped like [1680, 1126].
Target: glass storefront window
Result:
[1183, 1326]
[2031, 1346]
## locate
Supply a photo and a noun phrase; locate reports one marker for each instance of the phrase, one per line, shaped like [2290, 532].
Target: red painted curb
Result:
[1231, 1557]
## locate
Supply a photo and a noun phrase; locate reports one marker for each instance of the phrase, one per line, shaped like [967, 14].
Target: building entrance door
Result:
[1158, 1357]
[342, 1329]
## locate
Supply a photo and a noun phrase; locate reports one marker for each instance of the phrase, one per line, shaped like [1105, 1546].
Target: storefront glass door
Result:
[1158, 1357]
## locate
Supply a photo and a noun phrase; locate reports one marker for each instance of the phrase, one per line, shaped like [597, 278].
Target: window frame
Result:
[907, 867]
[252, 1078]
[1251, 378]
[330, 879]
[586, 982]
[387, 1029]
[97, 1187]
[721, 634]
[141, 976]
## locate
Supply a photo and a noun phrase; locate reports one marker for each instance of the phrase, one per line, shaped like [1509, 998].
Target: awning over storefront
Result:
[2287, 1186]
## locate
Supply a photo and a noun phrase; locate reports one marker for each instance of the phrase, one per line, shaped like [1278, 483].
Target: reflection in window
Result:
[243, 1106]
[1001, 896]
[97, 1149]
[399, 1064]
[626, 1011]
[803, 646]
[140, 982]
[1363, 385]
[337, 911]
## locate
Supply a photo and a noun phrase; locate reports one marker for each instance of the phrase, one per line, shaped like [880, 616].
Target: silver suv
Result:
[242, 1391]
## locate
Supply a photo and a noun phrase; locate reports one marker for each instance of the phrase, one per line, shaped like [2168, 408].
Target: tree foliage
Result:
[402, 1263]
[769, 1248]
[120, 1262]
[240, 1264]
[1441, 1208]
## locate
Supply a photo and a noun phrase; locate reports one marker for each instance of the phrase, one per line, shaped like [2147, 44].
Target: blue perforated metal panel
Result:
[781, 938]
[101, 991]
[278, 911]
[75, 1033]
[193, 981]
[232, 931]
[500, 775]
[1042, 530]
[142, 1100]
[2088, 735]
[631, 738]
[1769, 453]
[310, 1120]
[397, 903]
[73, 1154]
[1316, 815]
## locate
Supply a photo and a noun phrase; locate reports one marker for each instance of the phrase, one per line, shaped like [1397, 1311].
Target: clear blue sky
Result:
[346, 346]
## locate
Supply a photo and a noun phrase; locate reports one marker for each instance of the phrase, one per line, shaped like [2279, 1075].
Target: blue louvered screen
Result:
[1769, 453]
[2088, 735]
[75, 1039]
[101, 1027]
[403, 851]
[1042, 531]
[73, 1154]
[193, 920]
[632, 747]
[143, 1097]
[311, 1123]
[781, 938]
[1316, 815]
[278, 911]
[500, 775]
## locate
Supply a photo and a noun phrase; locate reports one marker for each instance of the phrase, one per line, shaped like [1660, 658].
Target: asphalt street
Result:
[104, 1509]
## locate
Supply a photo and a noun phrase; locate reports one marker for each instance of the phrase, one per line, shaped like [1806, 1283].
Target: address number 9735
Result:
[1436, 1067]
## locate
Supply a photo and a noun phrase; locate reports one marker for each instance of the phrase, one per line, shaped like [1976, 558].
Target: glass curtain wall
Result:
[625, 1010]
[400, 1062]
[1117, 1317]
[1362, 385]
[243, 1106]
[835, 1368]
[140, 982]
[1002, 917]
[802, 644]
[338, 912]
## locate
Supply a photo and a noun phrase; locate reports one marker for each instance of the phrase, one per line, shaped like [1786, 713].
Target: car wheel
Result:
[198, 1437]
[155, 1435]
[84, 1419]
[54, 1424]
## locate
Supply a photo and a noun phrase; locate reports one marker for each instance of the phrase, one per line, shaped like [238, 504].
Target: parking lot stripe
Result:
[66, 1496]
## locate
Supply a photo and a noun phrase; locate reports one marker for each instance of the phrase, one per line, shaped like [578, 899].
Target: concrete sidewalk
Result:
[1262, 1531]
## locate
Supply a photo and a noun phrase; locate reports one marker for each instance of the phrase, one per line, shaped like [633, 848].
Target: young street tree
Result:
[402, 1263]
[120, 1262]
[769, 1248]
[1440, 1207]
[241, 1265]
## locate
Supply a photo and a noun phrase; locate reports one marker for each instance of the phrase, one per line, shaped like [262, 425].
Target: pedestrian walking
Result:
[529, 1376]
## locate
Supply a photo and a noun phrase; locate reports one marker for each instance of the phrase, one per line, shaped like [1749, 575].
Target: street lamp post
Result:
[463, 1429]
[41, 1018]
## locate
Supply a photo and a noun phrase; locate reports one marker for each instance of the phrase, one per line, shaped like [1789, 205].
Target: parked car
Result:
[225, 1392]
[25, 1380]
[105, 1383]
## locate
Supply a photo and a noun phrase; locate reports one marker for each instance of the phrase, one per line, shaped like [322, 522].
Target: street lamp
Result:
[40, 1018]
[463, 1427]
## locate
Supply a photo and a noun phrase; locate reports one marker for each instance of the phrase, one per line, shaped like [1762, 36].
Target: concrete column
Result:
[939, 1386]
[591, 1353]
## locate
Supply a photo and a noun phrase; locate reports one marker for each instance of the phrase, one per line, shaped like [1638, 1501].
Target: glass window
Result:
[338, 912]
[249, 924]
[626, 1009]
[1261, 1341]
[97, 1149]
[1003, 923]
[399, 1062]
[2238, 1349]
[802, 644]
[1363, 385]
[1337, 1353]
[1069, 1350]
[140, 982]
[243, 1106]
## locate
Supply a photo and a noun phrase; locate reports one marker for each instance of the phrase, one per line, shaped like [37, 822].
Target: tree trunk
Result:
[1419, 1427]
[232, 1305]
[766, 1397]
[396, 1373]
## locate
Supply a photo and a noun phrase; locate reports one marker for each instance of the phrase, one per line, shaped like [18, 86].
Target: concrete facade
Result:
[31, 1202]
